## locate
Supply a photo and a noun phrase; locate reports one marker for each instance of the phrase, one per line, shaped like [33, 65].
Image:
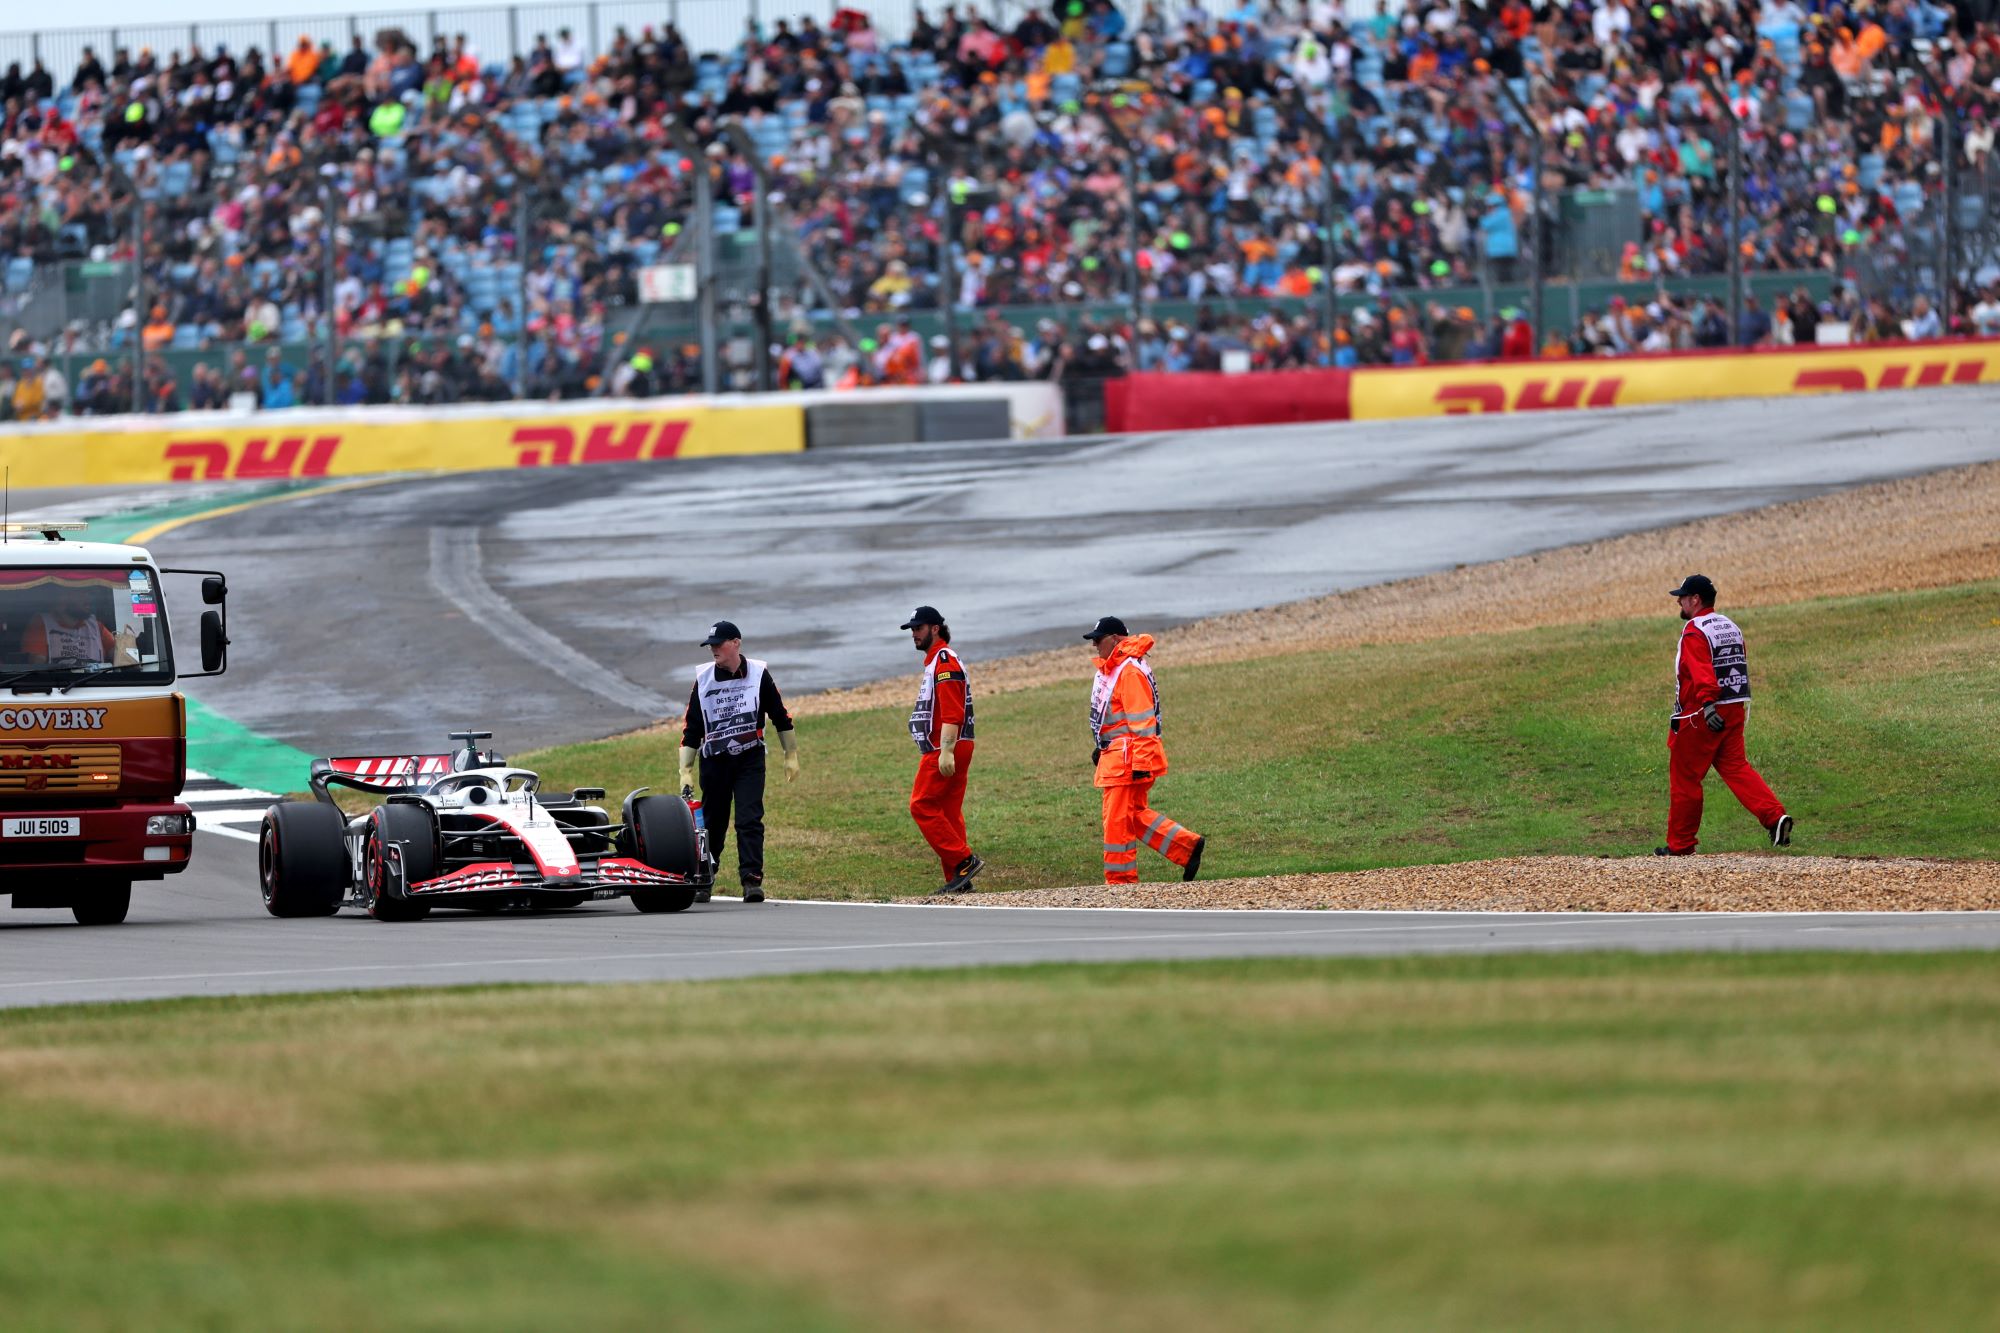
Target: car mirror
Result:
[213, 590]
[214, 643]
[588, 793]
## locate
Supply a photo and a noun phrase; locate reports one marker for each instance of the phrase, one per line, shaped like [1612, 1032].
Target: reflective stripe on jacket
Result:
[1125, 715]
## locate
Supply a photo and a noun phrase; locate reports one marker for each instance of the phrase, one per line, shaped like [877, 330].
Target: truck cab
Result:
[93, 738]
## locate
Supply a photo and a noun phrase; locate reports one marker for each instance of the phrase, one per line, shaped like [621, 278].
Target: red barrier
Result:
[1155, 401]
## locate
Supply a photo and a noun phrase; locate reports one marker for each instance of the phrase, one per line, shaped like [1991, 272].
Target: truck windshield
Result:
[63, 625]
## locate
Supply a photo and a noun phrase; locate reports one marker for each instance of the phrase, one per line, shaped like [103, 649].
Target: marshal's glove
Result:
[687, 768]
[790, 741]
[1712, 718]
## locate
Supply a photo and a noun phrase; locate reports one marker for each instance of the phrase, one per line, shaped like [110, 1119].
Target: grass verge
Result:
[1549, 1142]
[1877, 722]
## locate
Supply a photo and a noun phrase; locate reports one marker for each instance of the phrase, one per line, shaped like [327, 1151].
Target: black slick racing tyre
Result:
[414, 829]
[302, 859]
[663, 837]
[102, 904]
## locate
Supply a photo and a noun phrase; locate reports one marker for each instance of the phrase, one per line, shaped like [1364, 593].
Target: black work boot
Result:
[753, 890]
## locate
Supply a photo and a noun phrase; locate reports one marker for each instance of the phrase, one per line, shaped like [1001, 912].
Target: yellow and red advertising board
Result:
[1588, 382]
[281, 446]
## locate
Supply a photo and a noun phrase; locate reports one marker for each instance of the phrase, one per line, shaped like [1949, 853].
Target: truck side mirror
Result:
[214, 643]
[213, 590]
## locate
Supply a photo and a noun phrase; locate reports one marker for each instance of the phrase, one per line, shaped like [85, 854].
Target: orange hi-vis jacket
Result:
[1125, 715]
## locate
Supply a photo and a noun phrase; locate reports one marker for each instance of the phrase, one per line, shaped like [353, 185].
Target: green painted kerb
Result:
[224, 748]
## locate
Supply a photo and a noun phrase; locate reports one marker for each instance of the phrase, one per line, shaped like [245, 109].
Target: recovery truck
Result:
[93, 740]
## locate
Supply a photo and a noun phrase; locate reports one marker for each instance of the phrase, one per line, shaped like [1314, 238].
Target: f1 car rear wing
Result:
[381, 775]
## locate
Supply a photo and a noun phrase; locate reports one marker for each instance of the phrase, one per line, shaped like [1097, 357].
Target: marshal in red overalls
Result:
[1711, 697]
[944, 704]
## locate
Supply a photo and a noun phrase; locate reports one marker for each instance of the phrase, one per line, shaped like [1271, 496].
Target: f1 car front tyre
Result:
[663, 837]
[302, 859]
[414, 829]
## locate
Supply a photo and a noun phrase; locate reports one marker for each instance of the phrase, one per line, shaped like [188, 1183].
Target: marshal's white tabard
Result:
[730, 710]
[1725, 650]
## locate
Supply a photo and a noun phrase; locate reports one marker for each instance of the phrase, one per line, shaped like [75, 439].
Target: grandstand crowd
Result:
[484, 203]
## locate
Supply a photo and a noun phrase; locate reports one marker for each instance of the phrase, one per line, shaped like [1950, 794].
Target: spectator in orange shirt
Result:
[303, 63]
[159, 331]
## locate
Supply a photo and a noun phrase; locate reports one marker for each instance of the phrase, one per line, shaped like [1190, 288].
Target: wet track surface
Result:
[562, 605]
[207, 934]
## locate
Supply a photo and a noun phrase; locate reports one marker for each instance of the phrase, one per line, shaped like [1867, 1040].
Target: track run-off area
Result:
[559, 605]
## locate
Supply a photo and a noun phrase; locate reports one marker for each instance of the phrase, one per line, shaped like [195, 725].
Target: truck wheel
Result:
[662, 836]
[414, 828]
[104, 905]
[302, 859]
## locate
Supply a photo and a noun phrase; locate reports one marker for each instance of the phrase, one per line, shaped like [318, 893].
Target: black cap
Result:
[1106, 625]
[923, 615]
[1696, 585]
[722, 631]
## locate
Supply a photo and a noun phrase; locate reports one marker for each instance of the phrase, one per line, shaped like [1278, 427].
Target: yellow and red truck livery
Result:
[93, 741]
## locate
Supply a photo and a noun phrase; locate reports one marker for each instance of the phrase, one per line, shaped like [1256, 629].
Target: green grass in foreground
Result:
[1877, 721]
[1575, 1142]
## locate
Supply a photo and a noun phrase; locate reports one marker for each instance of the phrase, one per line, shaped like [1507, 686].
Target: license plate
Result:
[71, 827]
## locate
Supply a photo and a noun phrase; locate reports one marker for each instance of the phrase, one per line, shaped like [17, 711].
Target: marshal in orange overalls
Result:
[1125, 729]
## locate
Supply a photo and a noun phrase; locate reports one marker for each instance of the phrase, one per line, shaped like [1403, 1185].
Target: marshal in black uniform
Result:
[724, 729]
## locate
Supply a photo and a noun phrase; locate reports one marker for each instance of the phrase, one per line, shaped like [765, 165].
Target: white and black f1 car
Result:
[466, 830]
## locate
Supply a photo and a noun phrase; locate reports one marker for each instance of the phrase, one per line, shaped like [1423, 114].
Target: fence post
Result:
[739, 139]
[1735, 207]
[139, 309]
[596, 44]
[1132, 147]
[272, 52]
[332, 280]
[521, 285]
[1948, 224]
[691, 149]
[1536, 238]
[1305, 119]
[513, 31]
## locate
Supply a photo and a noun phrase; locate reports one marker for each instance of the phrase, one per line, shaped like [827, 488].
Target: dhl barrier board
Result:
[1541, 386]
[281, 446]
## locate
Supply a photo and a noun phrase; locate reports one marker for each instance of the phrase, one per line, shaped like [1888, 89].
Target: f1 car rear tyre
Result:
[414, 829]
[102, 904]
[663, 837]
[302, 859]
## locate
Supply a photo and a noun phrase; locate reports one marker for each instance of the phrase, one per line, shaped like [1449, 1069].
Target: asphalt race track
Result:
[551, 606]
[207, 934]
[557, 605]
